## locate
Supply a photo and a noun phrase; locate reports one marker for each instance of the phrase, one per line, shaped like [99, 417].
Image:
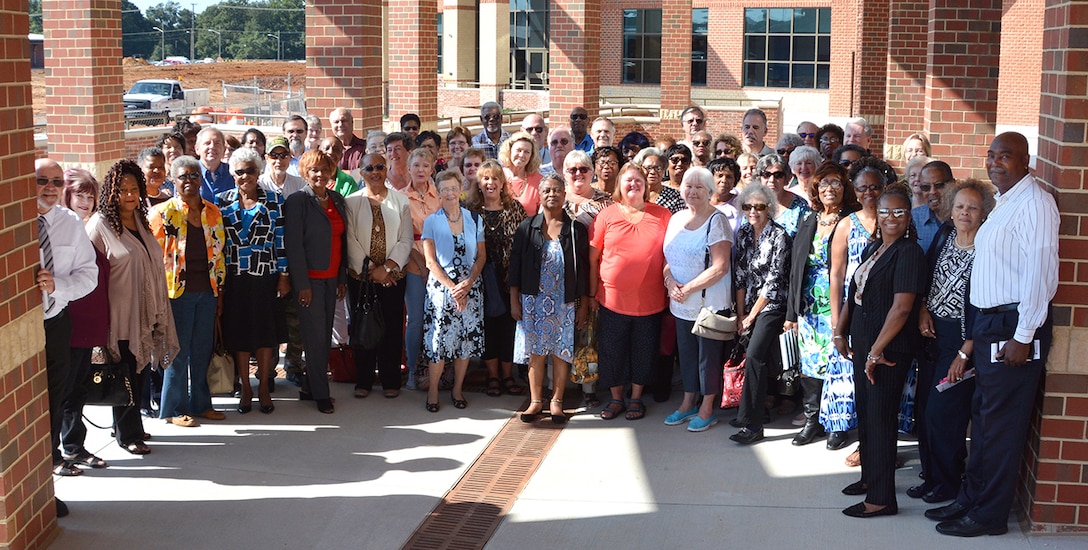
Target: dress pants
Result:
[762, 352]
[73, 432]
[386, 357]
[942, 438]
[58, 370]
[415, 294]
[878, 410]
[1000, 418]
[315, 322]
[128, 425]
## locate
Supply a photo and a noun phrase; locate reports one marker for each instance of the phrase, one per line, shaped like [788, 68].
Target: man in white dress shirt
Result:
[1014, 277]
[68, 272]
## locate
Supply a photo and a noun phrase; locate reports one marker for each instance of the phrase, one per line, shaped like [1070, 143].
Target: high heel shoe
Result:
[245, 409]
[267, 409]
[458, 403]
[324, 405]
[528, 416]
[560, 418]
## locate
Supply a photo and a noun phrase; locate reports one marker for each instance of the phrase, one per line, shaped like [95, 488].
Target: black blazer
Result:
[802, 248]
[308, 236]
[900, 269]
[939, 242]
[527, 254]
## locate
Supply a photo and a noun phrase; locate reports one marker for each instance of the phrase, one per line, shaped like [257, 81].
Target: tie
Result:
[47, 257]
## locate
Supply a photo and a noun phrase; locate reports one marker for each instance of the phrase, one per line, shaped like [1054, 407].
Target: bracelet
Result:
[872, 358]
[838, 337]
[961, 354]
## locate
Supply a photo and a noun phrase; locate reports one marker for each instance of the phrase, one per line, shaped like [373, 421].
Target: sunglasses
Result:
[757, 207]
[57, 182]
[296, 131]
[653, 168]
[410, 128]
[535, 129]
[245, 171]
[578, 170]
[679, 160]
[925, 187]
[775, 175]
[279, 156]
[723, 152]
[693, 121]
[784, 152]
[806, 135]
[492, 117]
[861, 189]
[579, 117]
[471, 164]
[894, 212]
[832, 184]
[374, 168]
[700, 143]
[846, 162]
[562, 141]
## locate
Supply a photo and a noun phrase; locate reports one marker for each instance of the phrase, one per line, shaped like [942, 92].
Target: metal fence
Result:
[263, 101]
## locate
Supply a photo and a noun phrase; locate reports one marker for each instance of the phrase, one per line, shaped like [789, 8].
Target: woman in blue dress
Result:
[808, 309]
[548, 273]
[838, 413]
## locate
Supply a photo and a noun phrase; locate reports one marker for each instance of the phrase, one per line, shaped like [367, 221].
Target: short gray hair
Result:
[698, 174]
[640, 157]
[803, 153]
[864, 125]
[312, 120]
[767, 161]
[762, 192]
[790, 139]
[577, 157]
[184, 161]
[244, 155]
[490, 105]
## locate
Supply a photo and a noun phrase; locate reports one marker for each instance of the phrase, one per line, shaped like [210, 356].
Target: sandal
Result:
[512, 386]
[528, 416]
[86, 459]
[137, 448]
[66, 469]
[458, 403]
[613, 409]
[432, 407]
[854, 459]
[560, 418]
[494, 389]
[635, 410]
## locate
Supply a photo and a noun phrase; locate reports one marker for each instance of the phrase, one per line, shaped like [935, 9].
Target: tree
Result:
[138, 38]
[175, 21]
[35, 11]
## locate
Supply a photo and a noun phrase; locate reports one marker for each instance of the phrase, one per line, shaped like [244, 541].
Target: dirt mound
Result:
[134, 62]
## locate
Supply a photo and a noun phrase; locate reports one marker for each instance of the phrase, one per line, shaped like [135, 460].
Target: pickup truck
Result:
[151, 101]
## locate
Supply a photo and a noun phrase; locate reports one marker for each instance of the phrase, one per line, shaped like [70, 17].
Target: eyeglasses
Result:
[187, 176]
[700, 143]
[576, 116]
[861, 189]
[653, 168]
[607, 163]
[295, 131]
[830, 139]
[245, 171]
[448, 190]
[775, 175]
[492, 117]
[693, 121]
[679, 160]
[829, 184]
[560, 141]
[57, 182]
[279, 156]
[894, 212]
[578, 170]
[784, 152]
[410, 128]
[471, 164]
[757, 207]
[723, 152]
[806, 135]
[846, 162]
[925, 187]
[534, 129]
[374, 168]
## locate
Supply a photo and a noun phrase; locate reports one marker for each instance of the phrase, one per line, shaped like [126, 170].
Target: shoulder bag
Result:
[368, 324]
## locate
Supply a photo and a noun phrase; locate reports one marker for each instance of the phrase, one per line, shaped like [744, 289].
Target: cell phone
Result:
[996, 347]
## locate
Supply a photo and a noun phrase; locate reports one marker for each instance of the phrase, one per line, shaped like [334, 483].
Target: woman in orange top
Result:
[520, 161]
[627, 283]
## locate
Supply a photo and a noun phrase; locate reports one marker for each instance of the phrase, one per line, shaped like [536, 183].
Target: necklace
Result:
[451, 220]
[829, 222]
[956, 242]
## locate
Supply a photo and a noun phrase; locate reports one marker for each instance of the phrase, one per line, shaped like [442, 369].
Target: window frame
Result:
[792, 54]
[644, 41]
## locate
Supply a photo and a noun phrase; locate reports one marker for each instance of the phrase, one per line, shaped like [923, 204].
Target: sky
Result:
[200, 4]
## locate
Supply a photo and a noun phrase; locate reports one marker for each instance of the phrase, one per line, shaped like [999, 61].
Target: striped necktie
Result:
[47, 257]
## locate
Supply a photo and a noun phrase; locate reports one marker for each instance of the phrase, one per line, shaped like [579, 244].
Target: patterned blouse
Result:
[763, 267]
[254, 237]
[948, 293]
[168, 224]
[499, 229]
[670, 198]
[586, 210]
[790, 217]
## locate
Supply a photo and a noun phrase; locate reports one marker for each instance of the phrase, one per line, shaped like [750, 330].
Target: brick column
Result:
[1054, 491]
[84, 82]
[343, 60]
[675, 65]
[906, 87]
[1022, 57]
[961, 83]
[413, 67]
[494, 39]
[27, 513]
[871, 67]
[459, 42]
[574, 72]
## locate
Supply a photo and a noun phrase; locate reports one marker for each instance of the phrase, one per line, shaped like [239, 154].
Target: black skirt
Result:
[252, 316]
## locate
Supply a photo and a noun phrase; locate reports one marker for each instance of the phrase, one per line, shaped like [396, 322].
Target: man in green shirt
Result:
[345, 183]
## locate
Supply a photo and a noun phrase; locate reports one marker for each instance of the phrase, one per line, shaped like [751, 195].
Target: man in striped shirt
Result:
[1014, 277]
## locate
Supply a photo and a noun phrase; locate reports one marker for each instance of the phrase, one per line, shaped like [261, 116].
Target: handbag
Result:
[342, 363]
[733, 378]
[715, 325]
[108, 384]
[221, 371]
[367, 321]
[494, 305]
[789, 382]
[584, 367]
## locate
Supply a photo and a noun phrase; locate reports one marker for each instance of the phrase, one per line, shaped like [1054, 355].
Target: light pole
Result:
[219, 37]
[162, 43]
[279, 53]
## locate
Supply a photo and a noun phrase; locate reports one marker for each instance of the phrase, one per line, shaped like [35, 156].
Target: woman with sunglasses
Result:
[774, 173]
[190, 231]
[726, 146]
[762, 280]
[379, 238]
[838, 410]
[701, 153]
[253, 323]
[879, 331]
[679, 157]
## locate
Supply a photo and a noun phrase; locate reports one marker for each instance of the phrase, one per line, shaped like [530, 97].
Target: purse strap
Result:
[706, 259]
[365, 288]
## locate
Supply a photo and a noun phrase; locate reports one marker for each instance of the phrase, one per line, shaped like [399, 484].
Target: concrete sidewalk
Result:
[367, 476]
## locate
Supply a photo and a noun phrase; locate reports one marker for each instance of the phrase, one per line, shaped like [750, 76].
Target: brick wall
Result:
[1022, 42]
[344, 59]
[574, 72]
[906, 80]
[871, 67]
[412, 65]
[675, 73]
[27, 513]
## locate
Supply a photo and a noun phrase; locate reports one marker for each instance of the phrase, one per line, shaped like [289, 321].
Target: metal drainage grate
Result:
[472, 510]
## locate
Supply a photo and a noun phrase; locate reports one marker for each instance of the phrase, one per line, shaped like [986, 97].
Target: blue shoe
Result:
[678, 417]
[697, 424]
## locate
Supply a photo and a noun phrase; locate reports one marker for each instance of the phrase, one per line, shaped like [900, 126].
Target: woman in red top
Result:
[627, 284]
[315, 241]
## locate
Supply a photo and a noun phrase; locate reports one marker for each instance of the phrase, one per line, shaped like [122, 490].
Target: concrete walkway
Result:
[366, 477]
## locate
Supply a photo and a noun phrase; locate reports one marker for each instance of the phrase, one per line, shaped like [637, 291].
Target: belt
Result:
[999, 309]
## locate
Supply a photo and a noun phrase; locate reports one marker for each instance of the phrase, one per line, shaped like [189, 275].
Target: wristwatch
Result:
[387, 268]
[961, 354]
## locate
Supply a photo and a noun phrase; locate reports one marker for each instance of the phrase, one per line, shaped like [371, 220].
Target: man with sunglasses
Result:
[275, 177]
[932, 180]
[693, 120]
[560, 142]
[61, 279]
[534, 125]
[808, 131]
[579, 130]
[493, 134]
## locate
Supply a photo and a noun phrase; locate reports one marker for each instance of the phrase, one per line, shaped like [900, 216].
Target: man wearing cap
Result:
[275, 177]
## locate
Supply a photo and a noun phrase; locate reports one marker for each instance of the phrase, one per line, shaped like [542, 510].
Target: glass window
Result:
[700, 28]
[642, 46]
[787, 47]
[439, 43]
[529, 44]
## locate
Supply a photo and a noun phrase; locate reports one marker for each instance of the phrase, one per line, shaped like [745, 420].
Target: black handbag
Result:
[109, 385]
[367, 322]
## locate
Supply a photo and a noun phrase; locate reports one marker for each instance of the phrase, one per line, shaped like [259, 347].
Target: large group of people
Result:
[512, 247]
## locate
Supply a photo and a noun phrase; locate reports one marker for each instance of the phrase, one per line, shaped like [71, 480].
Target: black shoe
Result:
[967, 527]
[746, 436]
[271, 384]
[736, 423]
[858, 511]
[245, 409]
[808, 434]
[947, 513]
[855, 488]
[933, 498]
[837, 440]
[62, 508]
[267, 409]
[917, 491]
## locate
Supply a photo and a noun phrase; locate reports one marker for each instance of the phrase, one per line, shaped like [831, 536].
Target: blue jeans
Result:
[194, 319]
[415, 293]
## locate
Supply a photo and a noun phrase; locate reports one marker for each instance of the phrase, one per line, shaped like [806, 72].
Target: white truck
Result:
[152, 101]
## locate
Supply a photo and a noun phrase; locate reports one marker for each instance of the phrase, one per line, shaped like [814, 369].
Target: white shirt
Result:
[685, 252]
[75, 273]
[290, 184]
[1016, 256]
